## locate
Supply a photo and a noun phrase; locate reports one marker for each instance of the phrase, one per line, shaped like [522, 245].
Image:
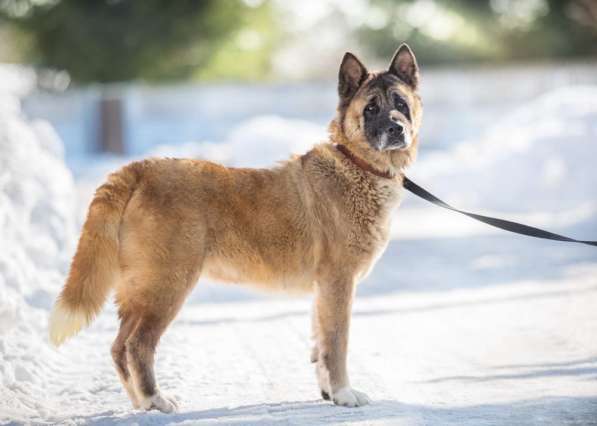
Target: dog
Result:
[315, 223]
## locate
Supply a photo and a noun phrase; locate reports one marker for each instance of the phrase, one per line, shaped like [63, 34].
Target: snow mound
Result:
[37, 232]
[258, 142]
[537, 157]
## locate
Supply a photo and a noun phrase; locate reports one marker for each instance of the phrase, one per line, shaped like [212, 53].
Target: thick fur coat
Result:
[315, 223]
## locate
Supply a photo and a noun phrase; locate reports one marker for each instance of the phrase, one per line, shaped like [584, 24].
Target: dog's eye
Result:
[372, 108]
[401, 105]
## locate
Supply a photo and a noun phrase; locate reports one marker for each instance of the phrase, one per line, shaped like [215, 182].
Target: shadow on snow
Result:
[551, 410]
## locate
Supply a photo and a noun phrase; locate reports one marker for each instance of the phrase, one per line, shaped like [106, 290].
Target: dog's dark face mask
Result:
[382, 106]
[386, 115]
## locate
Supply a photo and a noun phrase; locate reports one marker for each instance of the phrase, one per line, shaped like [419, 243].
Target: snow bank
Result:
[37, 232]
[534, 164]
[539, 156]
[257, 142]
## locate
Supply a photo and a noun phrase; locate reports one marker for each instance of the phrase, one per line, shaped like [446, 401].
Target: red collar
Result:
[362, 164]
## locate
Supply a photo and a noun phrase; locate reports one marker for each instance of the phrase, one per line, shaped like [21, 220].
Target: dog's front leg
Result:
[333, 305]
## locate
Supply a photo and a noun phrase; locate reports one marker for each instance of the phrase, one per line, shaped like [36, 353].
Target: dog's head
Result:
[380, 111]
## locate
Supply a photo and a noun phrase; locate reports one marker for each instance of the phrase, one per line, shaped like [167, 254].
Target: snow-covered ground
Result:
[458, 324]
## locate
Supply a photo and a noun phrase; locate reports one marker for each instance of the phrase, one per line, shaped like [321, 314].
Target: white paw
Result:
[160, 402]
[348, 397]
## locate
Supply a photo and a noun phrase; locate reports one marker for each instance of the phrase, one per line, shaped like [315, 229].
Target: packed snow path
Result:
[520, 352]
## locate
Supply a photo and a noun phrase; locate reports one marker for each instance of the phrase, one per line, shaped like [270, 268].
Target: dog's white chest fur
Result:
[379, 229]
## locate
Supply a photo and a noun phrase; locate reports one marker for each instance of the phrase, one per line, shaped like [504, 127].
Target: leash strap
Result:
[506, 225]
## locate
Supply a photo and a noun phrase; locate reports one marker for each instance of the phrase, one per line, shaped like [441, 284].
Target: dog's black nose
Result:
[395, 129]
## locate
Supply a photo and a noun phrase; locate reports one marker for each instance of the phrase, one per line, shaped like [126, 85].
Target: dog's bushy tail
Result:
[95, 266]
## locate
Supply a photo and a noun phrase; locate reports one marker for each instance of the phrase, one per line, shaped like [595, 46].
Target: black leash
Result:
[506, 225]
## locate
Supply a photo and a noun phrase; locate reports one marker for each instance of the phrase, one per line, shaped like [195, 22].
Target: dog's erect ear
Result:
[404, 66]
[352, 74]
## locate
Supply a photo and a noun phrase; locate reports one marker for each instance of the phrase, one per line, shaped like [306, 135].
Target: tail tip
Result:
[65, 322]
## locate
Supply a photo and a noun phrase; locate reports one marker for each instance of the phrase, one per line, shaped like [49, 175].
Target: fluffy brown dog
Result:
[315, 223]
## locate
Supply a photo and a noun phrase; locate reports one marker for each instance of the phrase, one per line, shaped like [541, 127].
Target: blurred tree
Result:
[247, 53]
[119, 40]
[450, 31]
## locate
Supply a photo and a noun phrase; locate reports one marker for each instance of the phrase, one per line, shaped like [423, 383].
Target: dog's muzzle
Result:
[394, 137]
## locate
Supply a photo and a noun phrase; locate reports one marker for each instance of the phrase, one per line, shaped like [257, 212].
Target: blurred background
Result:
[125, 77]
[509, 89]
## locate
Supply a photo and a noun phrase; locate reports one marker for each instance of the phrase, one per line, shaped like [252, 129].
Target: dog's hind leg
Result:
[140, 349]
[127, 325]
[154, 301]
[161, 258]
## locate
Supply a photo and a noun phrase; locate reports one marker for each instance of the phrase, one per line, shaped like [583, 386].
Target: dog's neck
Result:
[390, 163]
[362, 164]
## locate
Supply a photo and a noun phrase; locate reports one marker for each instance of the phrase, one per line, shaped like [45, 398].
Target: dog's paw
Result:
[348, 397]
[160, 402]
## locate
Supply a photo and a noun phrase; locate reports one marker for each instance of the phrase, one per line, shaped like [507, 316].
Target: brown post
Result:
[111, 125]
